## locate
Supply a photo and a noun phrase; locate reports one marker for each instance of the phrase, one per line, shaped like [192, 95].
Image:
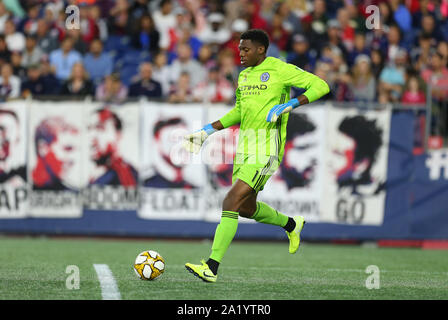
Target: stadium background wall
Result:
[416, 205]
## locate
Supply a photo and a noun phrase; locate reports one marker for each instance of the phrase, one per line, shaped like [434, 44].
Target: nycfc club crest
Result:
[265, 77]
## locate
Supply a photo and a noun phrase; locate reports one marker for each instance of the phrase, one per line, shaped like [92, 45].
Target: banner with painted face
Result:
[356, 166]
[217, 154]
[112, 160]
[13, 180]
[55, 159]
[172, 180]
[296, 187]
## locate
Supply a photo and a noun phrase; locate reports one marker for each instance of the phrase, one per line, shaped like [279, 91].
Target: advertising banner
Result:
[172, 180]
[55, 159]
[112, 161]
[355, 171]
[13, 180]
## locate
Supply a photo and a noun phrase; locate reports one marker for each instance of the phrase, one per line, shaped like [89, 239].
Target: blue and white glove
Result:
[194, 141]
[279, 109]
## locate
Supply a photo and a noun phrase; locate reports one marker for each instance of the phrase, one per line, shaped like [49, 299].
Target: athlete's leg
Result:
[225, 231]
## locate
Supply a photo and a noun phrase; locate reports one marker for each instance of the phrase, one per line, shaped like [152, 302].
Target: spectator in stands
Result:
[16, 63]
[146, 37]
[112, 90]
[185, 62]
[250, 11]
[181, 91]
[215, 33]
[442, 49]
[185, 34]
[119, 22]
[14, 40]
[99, 63]
[214, 89]
[359, 47]
[300, 54]
[5, 54]
[9, 83]
[323, 70]
[429, 27]
[393, 77]
[376, 63]
[46, 38]
[334, 41]
[363, 84]
[277, 33]
[79, 83]
[206, 57]
[315, 24]
[32, 53]
[79, 44]
[4, 16]
[145, 85]
[28, 24]
[437, 76]
[89, 30]
[401, 15]
[100, 22]
[347, 30]
[165, 21]
[64, 58]
[227, 67]
[292, 12]
[139, 8]
[34, 85]
[413, 92]
[51, 83]
[394, 42]
[238, 27]
[162, 72]
[421, 53]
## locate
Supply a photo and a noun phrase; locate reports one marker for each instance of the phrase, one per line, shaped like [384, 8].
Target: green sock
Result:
[268, 215]
[225, 231]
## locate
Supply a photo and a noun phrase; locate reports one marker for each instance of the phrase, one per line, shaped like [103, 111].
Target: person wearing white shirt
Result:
[165, 22]
[14, 40]
[9, 83]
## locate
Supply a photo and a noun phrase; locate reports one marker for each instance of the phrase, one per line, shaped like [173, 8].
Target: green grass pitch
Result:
[35, 269]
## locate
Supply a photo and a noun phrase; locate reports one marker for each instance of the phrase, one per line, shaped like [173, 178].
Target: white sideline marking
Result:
[109, 289]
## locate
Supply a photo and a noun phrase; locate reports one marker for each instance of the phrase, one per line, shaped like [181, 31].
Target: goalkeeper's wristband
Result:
[294, 103]
[209, 129]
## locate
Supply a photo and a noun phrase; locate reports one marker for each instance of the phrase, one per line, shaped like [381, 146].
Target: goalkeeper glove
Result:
[194, 141]
[279, 109]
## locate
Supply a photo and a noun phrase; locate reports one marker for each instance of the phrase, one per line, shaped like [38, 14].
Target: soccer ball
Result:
[149, 265]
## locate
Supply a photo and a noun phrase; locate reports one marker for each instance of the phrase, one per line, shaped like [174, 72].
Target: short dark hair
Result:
[256, 35]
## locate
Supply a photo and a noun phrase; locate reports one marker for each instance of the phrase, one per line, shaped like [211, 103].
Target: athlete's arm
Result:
[296, 77]
[233, 116]
[194, 141]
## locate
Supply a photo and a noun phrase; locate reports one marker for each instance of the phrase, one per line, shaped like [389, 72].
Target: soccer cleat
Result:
[294, 235]
[202, 271]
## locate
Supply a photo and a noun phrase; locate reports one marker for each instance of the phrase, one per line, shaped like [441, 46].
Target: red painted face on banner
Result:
[8, 135]
[57, 152]
[4, 144]
[103, 135]
[343, 155]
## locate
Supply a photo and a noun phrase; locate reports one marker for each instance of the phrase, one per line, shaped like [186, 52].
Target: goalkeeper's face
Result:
[251, 53]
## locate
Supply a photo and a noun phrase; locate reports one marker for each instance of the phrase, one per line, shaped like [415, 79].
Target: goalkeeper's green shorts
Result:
[253, 169]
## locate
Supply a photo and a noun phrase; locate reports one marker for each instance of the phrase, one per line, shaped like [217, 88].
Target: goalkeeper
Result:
[262, 109]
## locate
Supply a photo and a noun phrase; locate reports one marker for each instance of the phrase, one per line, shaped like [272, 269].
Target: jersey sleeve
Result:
[233, 116]
[293, 76]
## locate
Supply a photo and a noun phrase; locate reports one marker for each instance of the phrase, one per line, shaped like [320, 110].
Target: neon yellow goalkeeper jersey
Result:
[259, 89]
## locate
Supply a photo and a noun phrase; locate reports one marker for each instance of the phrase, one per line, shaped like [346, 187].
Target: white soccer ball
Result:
[149, 265]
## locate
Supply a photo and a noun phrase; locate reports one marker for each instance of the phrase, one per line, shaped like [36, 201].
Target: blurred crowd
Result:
[187, 50]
